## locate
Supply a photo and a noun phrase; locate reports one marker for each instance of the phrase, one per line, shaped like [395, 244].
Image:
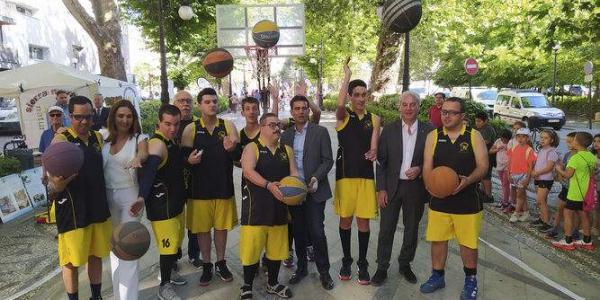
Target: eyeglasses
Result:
[273, 125]
[450, 112]
[55, 115]
[185, 100]
[81, 117]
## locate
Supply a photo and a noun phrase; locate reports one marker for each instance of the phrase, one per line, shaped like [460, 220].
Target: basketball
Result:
[402, 15]
[441, 182]
[130, 240]
[293, 190]
[265, 33]
[62, 159]
[218, 62]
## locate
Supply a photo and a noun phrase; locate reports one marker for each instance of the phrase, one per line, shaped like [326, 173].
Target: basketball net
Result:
[261, 65]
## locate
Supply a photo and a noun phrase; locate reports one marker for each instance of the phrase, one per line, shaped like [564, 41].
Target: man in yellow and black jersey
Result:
[184, 101]
[264, 216]
[211, 197]
[162, 190]
[358, 137]
[459, 215]
[248, 134]
[82, 214]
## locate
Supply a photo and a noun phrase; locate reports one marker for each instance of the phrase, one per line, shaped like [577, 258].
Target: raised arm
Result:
[340, 112]
[274, 91]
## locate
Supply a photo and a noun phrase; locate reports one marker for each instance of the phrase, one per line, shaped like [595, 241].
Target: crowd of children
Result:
[578, 172]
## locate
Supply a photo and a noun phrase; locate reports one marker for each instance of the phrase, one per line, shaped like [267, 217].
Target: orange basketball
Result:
[441, 182]
[218, 62]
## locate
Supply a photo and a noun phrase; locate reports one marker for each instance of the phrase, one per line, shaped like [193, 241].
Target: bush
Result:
[9, 165]
[575, 104]
[498, 125]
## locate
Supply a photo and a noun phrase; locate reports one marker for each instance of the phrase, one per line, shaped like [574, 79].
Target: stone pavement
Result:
[514, 263]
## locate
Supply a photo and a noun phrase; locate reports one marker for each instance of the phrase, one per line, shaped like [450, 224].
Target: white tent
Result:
[34, 87]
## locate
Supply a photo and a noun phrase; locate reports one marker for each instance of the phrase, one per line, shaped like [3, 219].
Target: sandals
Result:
[279, 290]
[245, 292]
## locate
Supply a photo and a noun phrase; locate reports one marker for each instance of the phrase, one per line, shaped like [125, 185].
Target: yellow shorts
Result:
[255, 239]
[444, 226]
[75, 246]
[355, 197]
[203, 215]
[168, 234]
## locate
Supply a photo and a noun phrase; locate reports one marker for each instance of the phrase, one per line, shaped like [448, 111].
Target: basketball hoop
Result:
[260, 58]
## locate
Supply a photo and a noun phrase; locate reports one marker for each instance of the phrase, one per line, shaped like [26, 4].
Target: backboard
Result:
[235, 22]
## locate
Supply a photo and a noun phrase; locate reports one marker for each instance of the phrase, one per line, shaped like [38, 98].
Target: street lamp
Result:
[555, 49]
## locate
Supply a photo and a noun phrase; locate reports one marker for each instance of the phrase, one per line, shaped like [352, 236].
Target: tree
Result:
[105, 31]
[387, 53]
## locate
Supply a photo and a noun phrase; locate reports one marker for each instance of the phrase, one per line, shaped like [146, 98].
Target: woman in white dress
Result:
[123, 153]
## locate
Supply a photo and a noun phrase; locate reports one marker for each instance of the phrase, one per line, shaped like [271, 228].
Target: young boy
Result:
[579, 170]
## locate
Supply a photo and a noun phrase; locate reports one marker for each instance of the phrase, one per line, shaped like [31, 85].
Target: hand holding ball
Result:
[441, 182]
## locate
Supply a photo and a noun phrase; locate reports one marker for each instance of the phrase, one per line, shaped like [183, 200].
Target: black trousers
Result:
[410, 198]
[307, 220]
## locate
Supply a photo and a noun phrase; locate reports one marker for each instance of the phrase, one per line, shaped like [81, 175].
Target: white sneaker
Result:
[167, 292]
[514, 218]
[524, 217]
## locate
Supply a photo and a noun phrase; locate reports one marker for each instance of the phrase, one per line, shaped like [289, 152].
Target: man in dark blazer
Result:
[314, 159]
[100, 113]
[400, 186]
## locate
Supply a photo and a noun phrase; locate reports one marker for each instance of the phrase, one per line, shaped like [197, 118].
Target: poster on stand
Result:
[32, 180]
[14, 201]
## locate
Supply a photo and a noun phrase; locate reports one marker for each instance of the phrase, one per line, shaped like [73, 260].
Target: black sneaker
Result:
[363, 273]
[246, 292]
[207, 274]
[223, 271]
[346, 269]
[552, 233]
[379, 277]
[545, 228]
[310, 253]
[196, 262]
[536, 223]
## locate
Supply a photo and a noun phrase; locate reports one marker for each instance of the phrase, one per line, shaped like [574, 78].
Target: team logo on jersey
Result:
[221, 134]
[463, 147]
[368, 126]
[283, 156]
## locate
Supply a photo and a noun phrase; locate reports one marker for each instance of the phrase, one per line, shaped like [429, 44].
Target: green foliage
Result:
[9, 165]
[498, 125]
[576, 105]
[330, 102]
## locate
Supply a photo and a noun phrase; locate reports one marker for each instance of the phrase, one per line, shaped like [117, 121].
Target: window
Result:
[515, 102]
[25, 10]
[37, 52]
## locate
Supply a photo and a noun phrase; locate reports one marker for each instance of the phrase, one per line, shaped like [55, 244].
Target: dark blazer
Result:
[317, 159]
[389, 155]
[100, 120]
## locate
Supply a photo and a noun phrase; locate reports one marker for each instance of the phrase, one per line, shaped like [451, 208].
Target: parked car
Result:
[9, 117]
[421, 91]
[481, 94]
[530, 107]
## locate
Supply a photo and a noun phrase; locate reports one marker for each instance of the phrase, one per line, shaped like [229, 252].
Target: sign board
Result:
[471, 66]
[32, 180]
[588, 78]
[13, 198]
[588, 68]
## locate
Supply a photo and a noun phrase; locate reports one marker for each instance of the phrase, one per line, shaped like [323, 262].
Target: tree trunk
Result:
[105, 31]
[387, 52]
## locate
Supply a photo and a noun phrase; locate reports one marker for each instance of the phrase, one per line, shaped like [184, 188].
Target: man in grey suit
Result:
[400, 186]
[314, 159]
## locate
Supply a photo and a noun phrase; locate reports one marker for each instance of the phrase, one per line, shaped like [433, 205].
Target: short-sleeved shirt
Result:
[46, 139]
[584, 163]
[488, 133]
[435, 116]
[521, 157]
[543, 157]
[501, 155]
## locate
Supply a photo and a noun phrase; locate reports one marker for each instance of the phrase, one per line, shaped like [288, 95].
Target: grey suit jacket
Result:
[317, 159]
[389, 155]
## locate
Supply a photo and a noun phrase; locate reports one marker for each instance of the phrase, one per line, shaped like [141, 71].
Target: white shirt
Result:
[408, 147]
[116, 174]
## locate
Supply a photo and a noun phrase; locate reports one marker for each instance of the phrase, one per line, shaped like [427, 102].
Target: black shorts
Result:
[574, 205]
[544, 184]
[563, 193]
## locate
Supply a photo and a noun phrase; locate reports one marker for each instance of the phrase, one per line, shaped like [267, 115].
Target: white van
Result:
[530, 107]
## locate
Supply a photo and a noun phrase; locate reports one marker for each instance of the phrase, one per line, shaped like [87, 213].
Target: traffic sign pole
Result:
[588, 69]
[471, 68]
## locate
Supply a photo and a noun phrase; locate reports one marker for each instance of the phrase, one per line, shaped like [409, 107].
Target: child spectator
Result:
[579, 171]
[562, 196]
[500, 149]
[596, 215]
[521, 158]
[515, 126]
[543, 175]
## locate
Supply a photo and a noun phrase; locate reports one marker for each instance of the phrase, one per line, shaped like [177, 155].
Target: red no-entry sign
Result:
[471, 66]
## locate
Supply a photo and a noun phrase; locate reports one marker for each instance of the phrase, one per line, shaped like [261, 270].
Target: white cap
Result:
[55, 108]
[523, 131]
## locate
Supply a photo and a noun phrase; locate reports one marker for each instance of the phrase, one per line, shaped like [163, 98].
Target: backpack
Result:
[591, 197]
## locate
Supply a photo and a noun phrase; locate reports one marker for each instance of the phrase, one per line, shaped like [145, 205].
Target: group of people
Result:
[182, 176]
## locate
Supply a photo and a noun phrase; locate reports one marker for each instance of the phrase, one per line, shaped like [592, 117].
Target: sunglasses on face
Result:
[450, 113]
[55, 115]
[81, 117]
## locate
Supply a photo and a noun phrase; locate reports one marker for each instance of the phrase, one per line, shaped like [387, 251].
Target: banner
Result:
[32, 180]
[13, 198]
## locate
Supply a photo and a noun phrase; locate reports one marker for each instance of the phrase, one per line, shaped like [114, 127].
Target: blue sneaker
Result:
[434, 283]
[469, 292]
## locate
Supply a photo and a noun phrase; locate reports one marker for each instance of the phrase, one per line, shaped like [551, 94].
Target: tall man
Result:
[358, 135]
[300, 89]
[62, 101]
[183, 100]
[100, 113]
[459, 215]
[314, 159]
[82, 214]
[264, 215]
[400, 186]
[211, 201]
[163, 191]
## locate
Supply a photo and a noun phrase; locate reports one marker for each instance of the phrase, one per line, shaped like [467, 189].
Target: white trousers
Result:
[125, 277]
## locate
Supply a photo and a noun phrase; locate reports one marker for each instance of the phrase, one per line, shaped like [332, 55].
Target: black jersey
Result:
[259, 206]
[354, 139]
[212, 178]
[459, 156]
[244, 140]
[83, 202]
[167, 195]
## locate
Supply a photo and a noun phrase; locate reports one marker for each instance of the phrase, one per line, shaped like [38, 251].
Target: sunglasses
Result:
[81, 117]
[55, 115]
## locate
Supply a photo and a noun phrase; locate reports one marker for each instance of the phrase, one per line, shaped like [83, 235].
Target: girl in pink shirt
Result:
[543, 175]
[500, 149]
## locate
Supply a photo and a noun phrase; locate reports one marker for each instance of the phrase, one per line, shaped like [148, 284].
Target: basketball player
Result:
[162, 189]
[358, 135]
[264, 216]
[211, 201]
[250, 133]
[459, 215]
[82, 213]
